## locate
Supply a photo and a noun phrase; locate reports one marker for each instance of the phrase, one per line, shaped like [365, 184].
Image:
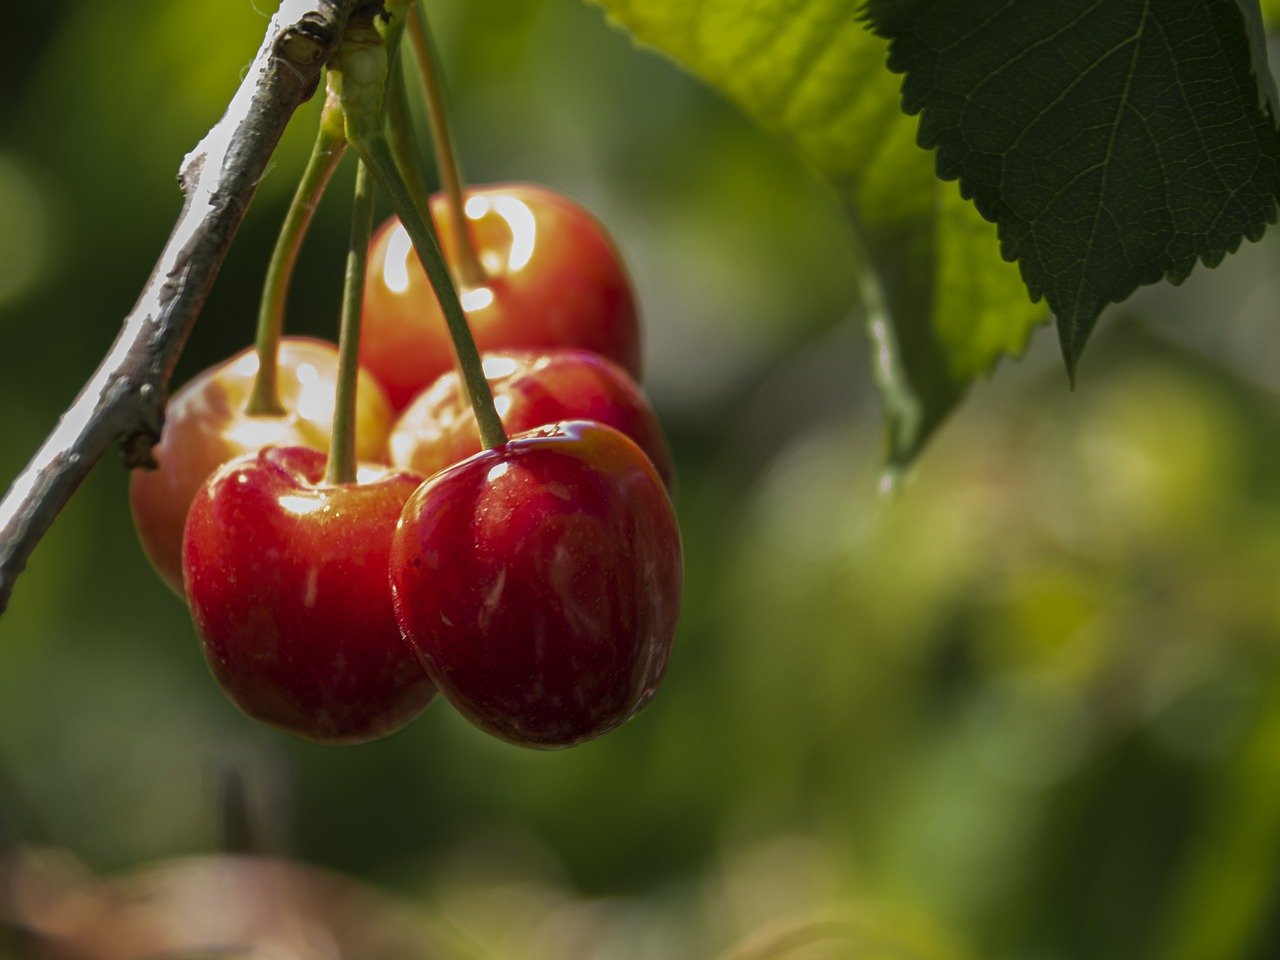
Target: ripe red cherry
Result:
[529, 390]
[287, 582]
[539, 582]
[206, 426]
[554, 279]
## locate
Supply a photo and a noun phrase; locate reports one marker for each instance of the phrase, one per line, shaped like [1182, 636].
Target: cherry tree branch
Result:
[124, 399]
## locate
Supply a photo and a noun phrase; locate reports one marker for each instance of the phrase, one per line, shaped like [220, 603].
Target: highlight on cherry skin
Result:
[530, 389]
[539, 582]
[206, 426]
[286, 577]
[553, 279]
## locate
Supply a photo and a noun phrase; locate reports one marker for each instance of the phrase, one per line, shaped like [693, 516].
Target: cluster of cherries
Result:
[535, 584]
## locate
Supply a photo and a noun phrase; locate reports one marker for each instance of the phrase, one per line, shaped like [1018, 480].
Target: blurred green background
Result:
[1028, 708]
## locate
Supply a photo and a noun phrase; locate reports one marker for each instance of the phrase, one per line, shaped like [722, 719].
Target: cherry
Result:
[553, 279]
[539, 583]
[529, 390]
[287, 581]
[206, 426]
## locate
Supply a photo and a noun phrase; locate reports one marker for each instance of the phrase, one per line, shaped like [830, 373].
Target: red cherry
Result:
[540, 583]
[206, 426]
[554, 279]
[529, 390]
[287, 582]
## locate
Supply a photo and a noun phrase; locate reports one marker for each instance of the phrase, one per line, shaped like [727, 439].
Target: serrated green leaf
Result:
[1113, 141]
[943, 307]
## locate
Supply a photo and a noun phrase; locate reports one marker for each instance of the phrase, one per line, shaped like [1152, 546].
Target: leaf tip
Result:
[1072, 348]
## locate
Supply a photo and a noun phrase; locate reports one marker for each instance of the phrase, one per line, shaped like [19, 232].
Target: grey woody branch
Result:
[124, 399]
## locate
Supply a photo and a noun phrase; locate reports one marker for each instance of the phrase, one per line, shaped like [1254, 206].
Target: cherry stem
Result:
[400, 133]
[403, 142]
[342, 465]
[331, 144]
[377, 155]
[358, 73]
[470, 270]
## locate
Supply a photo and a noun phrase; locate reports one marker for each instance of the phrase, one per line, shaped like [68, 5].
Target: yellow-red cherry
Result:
[530, 389]
[206, 426]
[553, 278]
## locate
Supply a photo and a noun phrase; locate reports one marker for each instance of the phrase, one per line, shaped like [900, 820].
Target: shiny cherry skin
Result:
[530, 389]
[553, 279]
[287, 582]
[540, 583]
[206, 426]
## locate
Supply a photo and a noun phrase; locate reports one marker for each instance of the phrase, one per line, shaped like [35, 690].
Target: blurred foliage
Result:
[1027, 708]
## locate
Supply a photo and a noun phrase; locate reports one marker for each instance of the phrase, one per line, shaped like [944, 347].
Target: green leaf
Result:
[942, 306]
[1113, 141]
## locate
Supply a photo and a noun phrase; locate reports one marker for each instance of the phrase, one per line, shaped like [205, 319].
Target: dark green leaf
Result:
[1113, 141]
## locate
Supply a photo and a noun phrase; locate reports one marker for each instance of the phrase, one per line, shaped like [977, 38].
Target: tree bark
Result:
[124, 399]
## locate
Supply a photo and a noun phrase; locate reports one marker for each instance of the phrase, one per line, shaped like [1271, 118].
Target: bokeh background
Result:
[1027, 708]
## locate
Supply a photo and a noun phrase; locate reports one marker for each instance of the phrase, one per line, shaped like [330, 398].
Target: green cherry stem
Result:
[341, 467]
[376, 153]
[470, 270]
[404, 144]
[358, 74]
[330, 145]
[400, 133]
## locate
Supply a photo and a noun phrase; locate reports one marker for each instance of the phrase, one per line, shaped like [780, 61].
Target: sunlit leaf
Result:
[943, 307]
